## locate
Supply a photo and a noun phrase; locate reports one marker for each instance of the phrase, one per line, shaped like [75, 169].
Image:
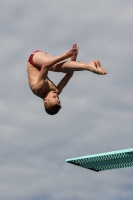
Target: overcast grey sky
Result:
[97, 111]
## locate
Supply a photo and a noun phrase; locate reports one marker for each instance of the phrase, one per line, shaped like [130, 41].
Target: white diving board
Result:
[105, 161]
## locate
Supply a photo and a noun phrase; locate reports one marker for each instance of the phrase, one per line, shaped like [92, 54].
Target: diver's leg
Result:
[71, 66]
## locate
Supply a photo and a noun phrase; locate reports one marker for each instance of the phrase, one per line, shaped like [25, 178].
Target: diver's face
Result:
[53, 97]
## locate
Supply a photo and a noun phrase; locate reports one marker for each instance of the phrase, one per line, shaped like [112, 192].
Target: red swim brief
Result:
[31, 58]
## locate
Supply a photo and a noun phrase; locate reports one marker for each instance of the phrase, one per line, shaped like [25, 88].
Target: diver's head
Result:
[52, 103]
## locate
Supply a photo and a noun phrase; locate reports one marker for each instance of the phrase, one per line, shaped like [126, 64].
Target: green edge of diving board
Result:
[105, 161]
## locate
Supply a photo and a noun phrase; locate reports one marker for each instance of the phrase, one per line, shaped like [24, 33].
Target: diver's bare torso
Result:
[33, 73]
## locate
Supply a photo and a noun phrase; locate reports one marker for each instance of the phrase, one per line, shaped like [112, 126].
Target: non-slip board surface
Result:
[105, 161]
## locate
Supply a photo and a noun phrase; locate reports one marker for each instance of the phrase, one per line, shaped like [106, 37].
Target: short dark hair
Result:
[52, 109]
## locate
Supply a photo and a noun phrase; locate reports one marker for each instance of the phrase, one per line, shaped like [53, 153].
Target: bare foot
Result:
[96, 68]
